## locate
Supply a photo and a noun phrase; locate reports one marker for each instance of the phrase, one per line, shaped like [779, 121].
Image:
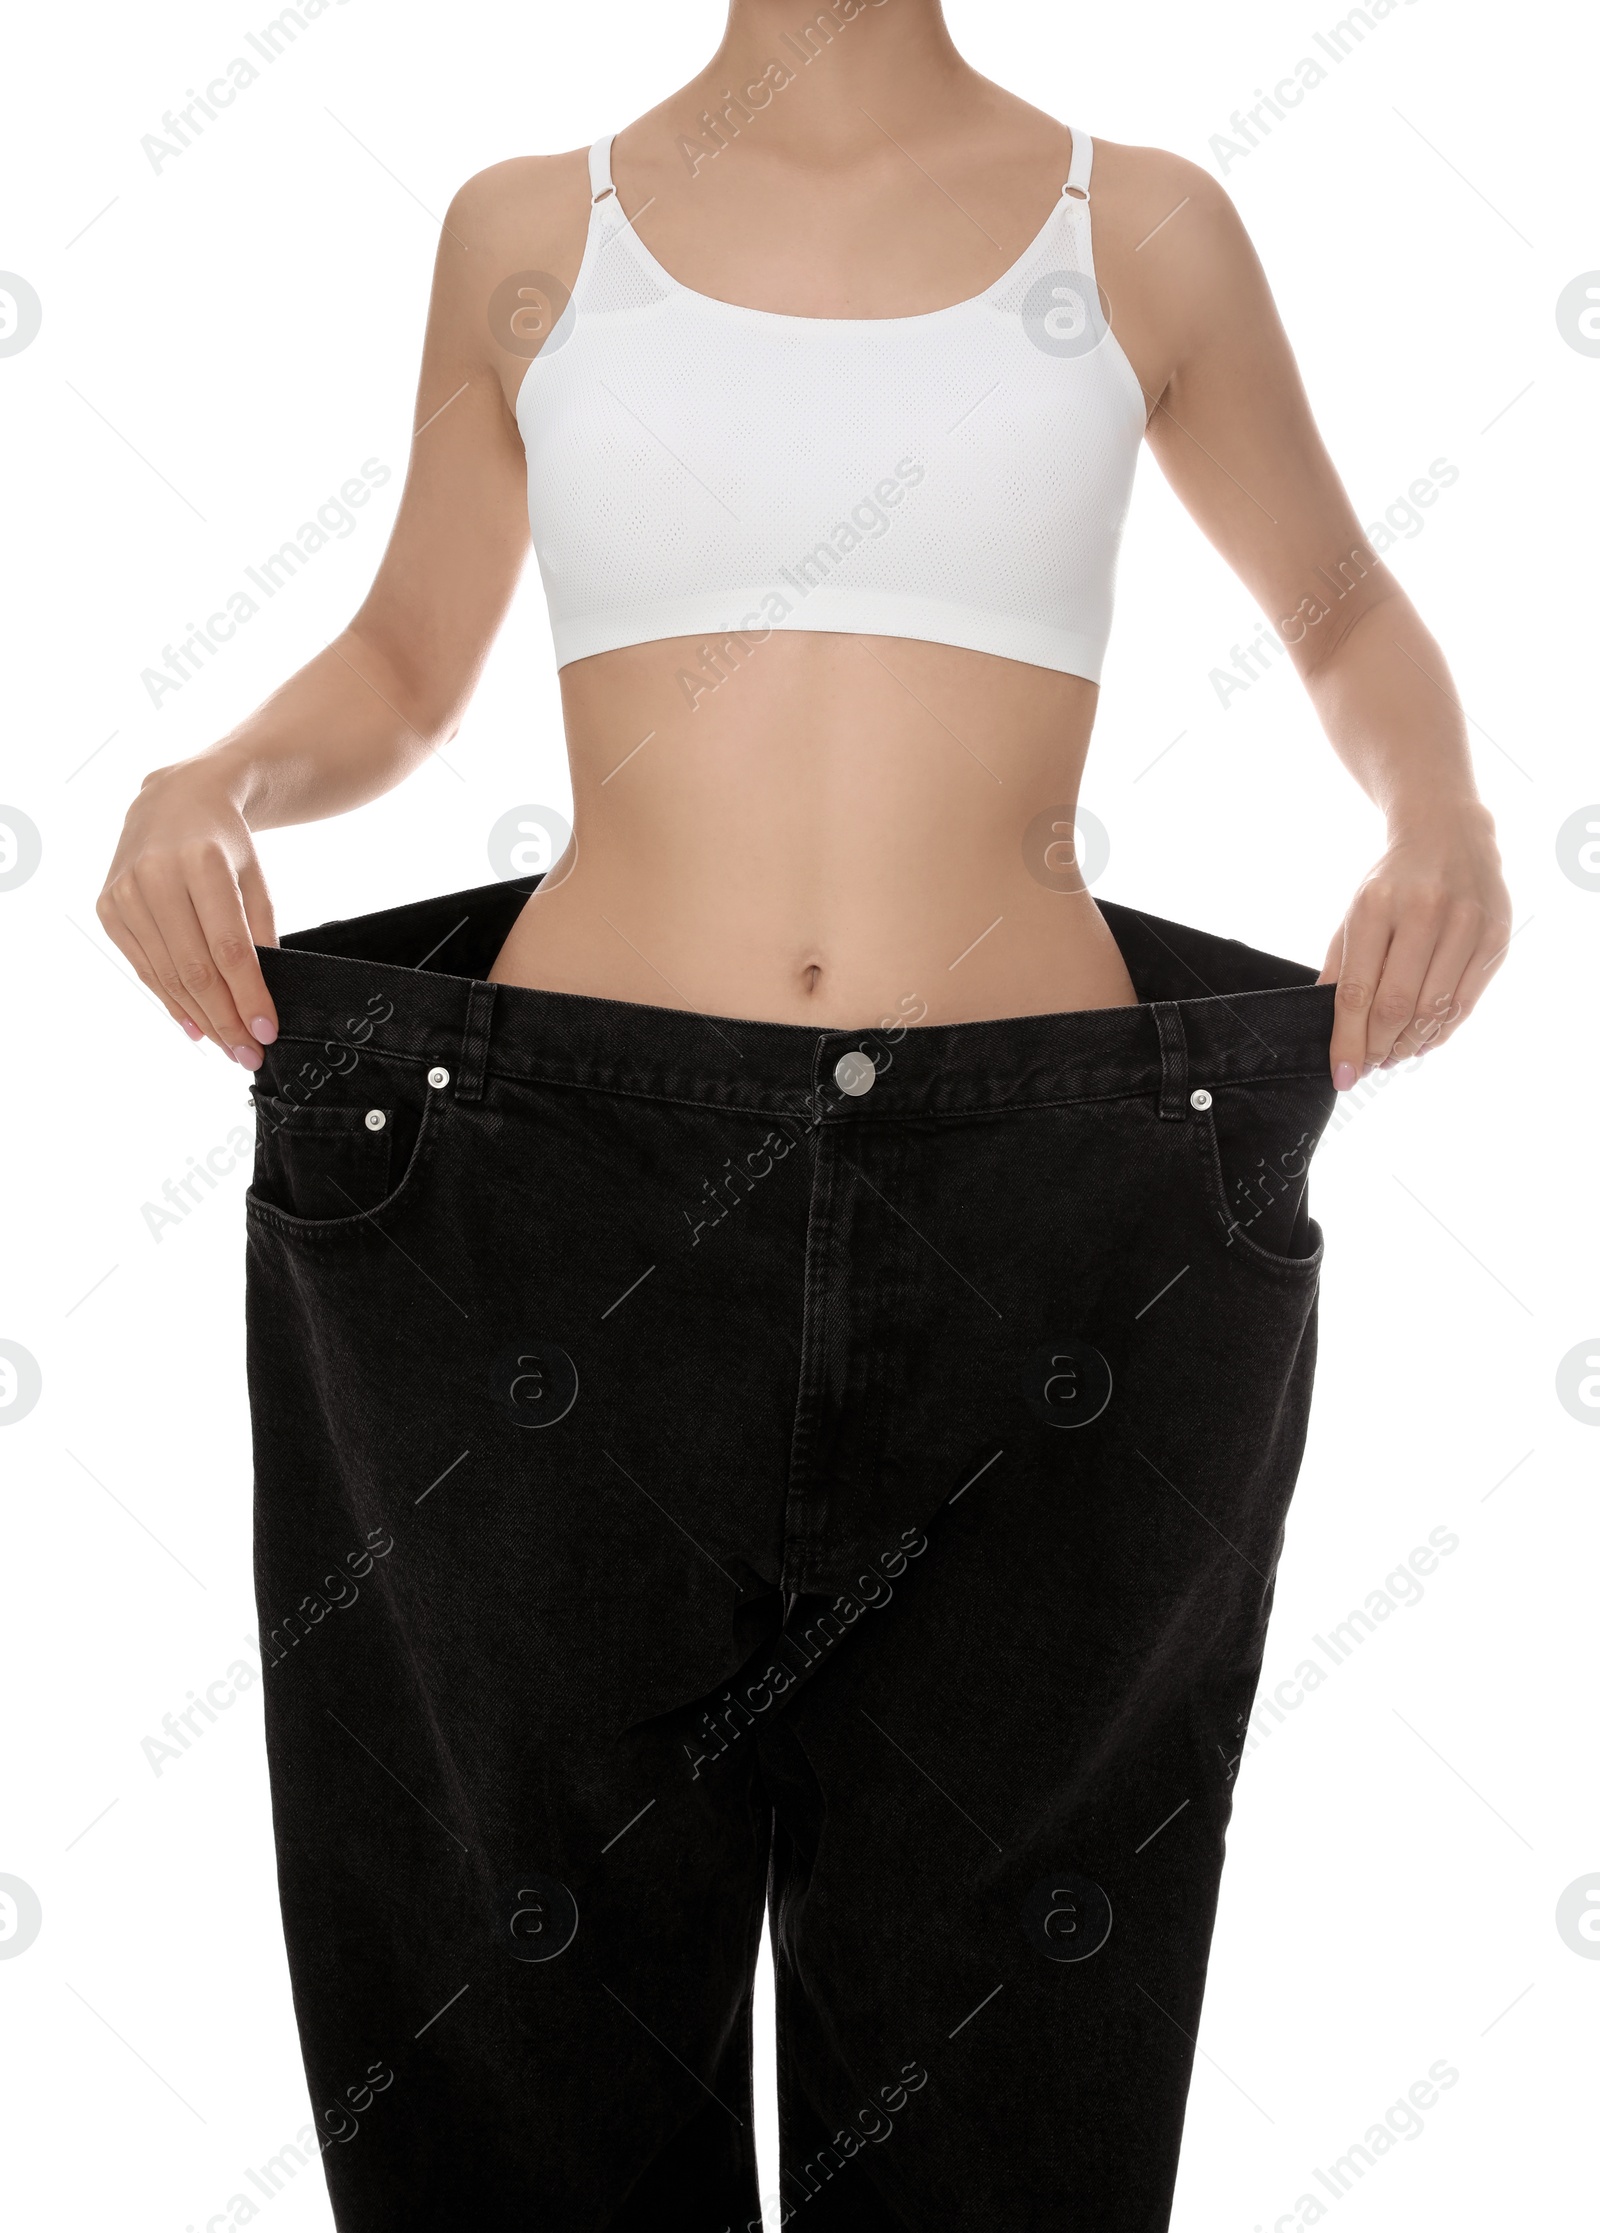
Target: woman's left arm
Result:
[1233, 432]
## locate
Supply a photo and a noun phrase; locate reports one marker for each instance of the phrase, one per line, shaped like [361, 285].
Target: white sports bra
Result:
[699, 468]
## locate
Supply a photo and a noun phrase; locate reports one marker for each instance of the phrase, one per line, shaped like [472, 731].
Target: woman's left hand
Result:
[1425, 933]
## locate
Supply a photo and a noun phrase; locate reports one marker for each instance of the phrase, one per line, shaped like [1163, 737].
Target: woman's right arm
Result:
[184, 899]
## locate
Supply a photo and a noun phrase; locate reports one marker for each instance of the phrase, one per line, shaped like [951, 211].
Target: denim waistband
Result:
[411, 982]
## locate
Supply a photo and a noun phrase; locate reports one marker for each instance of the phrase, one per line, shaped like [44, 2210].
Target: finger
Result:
[168, 986]
[1439, 998]
[138, 960]
[1481, 965]
[220, 910]
[198, 975]
[264, 932]
[1360, 965]
[1394, 1003]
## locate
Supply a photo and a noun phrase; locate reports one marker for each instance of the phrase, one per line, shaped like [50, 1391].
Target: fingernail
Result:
[1344, 1076]
[248, 1058]
[265, 1030]
[193, 1029]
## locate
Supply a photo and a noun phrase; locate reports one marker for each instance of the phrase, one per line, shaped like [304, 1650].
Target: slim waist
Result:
[410, 982]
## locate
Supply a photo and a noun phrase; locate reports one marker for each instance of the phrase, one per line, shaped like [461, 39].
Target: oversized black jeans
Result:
[704, 1463]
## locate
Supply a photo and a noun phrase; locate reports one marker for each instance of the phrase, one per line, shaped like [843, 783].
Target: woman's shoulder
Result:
[1131, 184]
[1143, 177]
[1166, 234]
[521, 202]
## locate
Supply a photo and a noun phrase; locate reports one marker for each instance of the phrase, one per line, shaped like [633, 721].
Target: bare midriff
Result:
[821, 829]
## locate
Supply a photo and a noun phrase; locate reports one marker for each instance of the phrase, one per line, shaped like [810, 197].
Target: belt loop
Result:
[475, 1041]
[1174, 1100]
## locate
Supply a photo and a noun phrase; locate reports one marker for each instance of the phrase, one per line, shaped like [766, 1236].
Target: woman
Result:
[779, 1352]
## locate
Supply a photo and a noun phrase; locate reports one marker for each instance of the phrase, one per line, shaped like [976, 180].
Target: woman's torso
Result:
[811, 826]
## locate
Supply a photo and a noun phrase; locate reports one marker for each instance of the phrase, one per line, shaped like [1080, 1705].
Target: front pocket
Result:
[336, 1164]
[320, 1163]
[1255, 1143]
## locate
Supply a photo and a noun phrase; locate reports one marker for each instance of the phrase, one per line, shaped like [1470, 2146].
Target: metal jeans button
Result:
[854, 1073]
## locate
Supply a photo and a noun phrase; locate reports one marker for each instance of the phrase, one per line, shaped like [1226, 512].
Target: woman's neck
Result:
[824, 85]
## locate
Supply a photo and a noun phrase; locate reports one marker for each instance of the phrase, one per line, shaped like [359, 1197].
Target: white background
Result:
[224, 345]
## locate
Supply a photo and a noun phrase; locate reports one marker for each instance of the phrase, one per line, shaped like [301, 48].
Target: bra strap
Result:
[1077, 185]
[600, 167]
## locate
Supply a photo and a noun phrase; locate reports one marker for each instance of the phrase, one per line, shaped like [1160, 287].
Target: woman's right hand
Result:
[186, 902]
